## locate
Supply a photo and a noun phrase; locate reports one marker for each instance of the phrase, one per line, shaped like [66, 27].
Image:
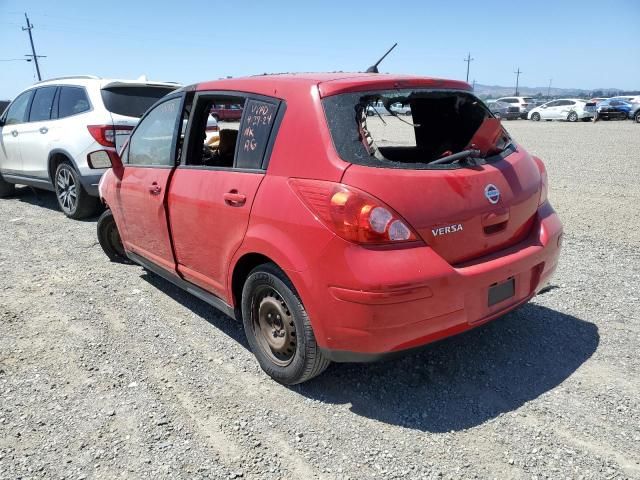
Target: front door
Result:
[149, 162]
[15, 118]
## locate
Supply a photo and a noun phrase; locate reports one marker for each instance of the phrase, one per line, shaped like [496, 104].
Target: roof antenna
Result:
[374, 68]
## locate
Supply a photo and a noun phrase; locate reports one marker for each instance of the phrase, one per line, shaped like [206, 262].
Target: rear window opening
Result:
[132, 101]
[416, 129]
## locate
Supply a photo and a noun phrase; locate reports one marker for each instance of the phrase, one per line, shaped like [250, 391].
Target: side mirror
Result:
[104, 159]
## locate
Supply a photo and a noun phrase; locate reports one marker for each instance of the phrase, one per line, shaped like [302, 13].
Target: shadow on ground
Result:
[455, 384]
[44, 199]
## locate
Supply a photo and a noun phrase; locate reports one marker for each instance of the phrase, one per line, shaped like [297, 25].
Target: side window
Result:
[17, 111]
[72, 100]
[213, 143]
[259, 117]
[42, 104]
[151, 142]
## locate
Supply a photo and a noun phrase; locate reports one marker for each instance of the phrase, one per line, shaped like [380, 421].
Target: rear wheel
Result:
[109, 238]
[73, 199]
[278, 328]
[636, 117]
[572, 117]
[535, 116]
[6, 189]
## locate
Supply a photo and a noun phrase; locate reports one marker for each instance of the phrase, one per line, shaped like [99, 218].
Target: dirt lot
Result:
[107, 371]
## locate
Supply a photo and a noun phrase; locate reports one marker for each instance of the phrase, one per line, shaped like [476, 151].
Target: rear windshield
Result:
[528, 100]
[132, 101]
[369, 129]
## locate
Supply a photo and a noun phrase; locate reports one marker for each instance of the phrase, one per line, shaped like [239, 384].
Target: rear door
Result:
[15, 118]
[212, 191]
[149, 160]
[38, 132]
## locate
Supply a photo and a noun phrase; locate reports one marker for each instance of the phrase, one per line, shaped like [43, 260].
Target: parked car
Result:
[634, 100]
[378, 108]
[614, 109]
[524, 103]
[569, 109]
[49, 128]
[226, 112]
[503, 110]
[287, 223]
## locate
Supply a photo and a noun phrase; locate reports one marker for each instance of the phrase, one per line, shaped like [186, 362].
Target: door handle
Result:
[14, 133]
[155, 189]
[44, 129]
[234, 199]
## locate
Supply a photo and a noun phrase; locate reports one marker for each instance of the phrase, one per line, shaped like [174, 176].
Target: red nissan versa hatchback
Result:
[333, 235]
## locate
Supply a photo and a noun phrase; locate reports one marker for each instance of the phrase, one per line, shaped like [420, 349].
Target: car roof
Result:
[89, 80]
[285, 84]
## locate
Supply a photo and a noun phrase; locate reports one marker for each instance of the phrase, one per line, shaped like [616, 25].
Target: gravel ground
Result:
[108, 371]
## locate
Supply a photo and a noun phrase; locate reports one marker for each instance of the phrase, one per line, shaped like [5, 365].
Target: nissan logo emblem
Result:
[492, 193]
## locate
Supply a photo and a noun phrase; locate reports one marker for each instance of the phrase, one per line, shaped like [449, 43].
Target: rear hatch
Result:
[128, 101]
[463, 208]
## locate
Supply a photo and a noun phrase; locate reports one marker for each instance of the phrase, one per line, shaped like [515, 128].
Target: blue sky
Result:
[584, 44]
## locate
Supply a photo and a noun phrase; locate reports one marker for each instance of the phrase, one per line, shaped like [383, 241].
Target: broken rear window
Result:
[413, 128]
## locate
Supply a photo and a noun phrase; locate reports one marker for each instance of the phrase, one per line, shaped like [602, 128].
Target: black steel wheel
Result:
[109, 238]
[278, 328]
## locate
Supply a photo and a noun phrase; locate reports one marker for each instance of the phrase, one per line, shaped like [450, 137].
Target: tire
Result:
[109, 238]
[535, 116]
[572, 117]
[73, 199]
[636, 117]
[285, 347]
[6, 189]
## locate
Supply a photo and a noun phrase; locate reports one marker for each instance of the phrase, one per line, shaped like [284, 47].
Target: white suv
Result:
[524, 103]
[49, 129]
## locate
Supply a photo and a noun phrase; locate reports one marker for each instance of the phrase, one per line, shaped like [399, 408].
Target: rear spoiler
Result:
[135, 83]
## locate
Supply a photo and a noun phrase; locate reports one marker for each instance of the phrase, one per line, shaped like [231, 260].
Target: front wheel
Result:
[109, 238]
[636, 117]
[73, 199]
[278, 328]
[535, 117]
[572, 117]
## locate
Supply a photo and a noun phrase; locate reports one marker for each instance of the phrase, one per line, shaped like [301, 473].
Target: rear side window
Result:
[73, 100]
[17, 111]
[132, 101]
[42, 104]
[440, 124]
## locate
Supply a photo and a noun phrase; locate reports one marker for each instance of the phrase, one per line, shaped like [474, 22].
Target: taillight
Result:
[353, 214]
[105, 135]
[544, 181]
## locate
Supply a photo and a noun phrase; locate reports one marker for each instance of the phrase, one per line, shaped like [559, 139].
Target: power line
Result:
[468, 60]
[33, 55]
[518, 72]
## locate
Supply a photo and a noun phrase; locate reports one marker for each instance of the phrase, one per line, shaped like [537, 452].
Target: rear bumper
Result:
[403, 299]
[90, 183]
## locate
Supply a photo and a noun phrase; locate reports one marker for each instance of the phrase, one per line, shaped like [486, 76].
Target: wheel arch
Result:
[56, 157]
[240, 273]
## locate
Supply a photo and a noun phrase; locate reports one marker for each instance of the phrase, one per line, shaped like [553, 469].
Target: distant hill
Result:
[495, 91]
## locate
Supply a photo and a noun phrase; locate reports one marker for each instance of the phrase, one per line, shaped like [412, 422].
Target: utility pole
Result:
[549, 89]
[468, 60]
[28, 28]
[473, 86]
[518, 72]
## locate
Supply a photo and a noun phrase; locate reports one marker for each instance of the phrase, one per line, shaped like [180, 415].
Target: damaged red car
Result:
[333, 235]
